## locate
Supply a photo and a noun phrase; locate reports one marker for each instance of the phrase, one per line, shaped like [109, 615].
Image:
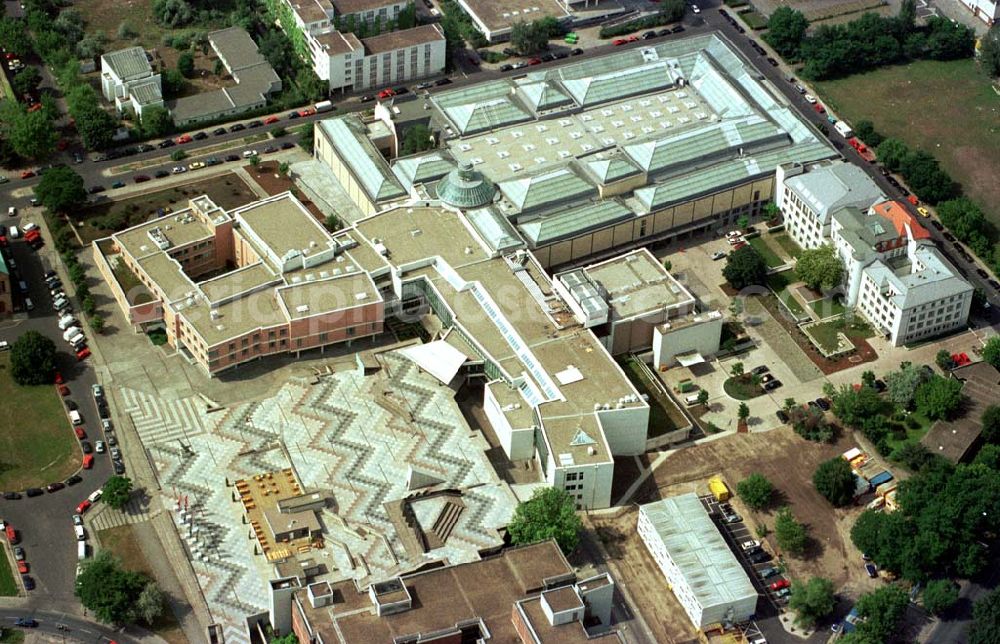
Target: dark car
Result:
[782, 415]
[937, 224]
[270, 149]
[161, 173]
[219, 131]
[442, 81]
[200, 136]
[646, 35]
[118, 184]
[880, 385]
[144, 147]
[510, 51]
[400, 90]
[141, 178]
[676, 29]
[949, 236]
[166, 143]
[576, 52]
[759, 557]
[771, 386]
[26, 622]
[11, 496]
[663, 32]
[237, 127]
[34, 491]
[287, 145]
[367, 98]
[505, 68]
[232, 157]
[119, 468]
[29, 583]
[255, 123]
[293, 115]
[773, 62]
[981, 273]
[823, 404]
[86, 447]
[761, 370]
[213, 161]
[73, 480]
[55, 487]
[995, 284]
[95, 189]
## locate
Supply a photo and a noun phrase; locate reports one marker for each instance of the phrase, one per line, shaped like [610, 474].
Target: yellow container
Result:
[718, 489]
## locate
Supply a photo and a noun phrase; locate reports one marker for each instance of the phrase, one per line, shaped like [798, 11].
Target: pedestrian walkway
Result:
[159, 421]
[137, 510]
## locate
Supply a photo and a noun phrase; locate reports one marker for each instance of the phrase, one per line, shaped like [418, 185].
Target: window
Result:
[350, 331]
[572, 476]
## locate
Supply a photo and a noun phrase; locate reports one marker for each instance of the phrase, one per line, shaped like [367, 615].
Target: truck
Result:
[718, 489]
[324, 106]
[843, 129]
[863, 150]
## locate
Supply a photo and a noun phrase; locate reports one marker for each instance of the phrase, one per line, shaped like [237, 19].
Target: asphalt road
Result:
[73, 628]
[44, 522]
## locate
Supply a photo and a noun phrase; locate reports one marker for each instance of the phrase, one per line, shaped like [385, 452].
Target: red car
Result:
[819, 108]
[63, 390]
[618, 41]
[271, 119]
[632, 38]
[535, 61]
[781, 583]
[35, 107]
[58, 378]
[83, 507]
[309, 111]
[387, 93]
[11, 534]
[184, 138]
[22, 567]
[27, 174]
[88, 462]
[32, 236]
[83, 354]
[80, 432]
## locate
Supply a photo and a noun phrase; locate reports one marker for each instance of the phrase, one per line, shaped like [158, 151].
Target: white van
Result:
[81, 550]
[70, 332]
[80, 536]
[30, 226]
[66, 322]
[78, 340]
[14, 232]
[60, 303]
[74, 417]
[95, 495]
[691, 400]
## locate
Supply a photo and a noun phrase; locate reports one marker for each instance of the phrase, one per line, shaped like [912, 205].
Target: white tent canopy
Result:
[437, 358]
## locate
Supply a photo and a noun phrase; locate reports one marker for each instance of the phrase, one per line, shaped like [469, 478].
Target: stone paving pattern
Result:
[350, 436]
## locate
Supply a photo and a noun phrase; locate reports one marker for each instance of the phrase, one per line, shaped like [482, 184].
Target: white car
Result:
[719, 254]
[810, 99]
[29, 226]
[12, 211]
[77, 519]
[249, 153]
[750, 545]
[99, 447]
[179, 169]
[695, 8]
[4, 345]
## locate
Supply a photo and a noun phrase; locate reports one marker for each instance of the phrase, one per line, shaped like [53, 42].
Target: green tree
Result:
[97, 323]
[939, 398]
[550, 513]
[91, 46]
[172, 13]
[743, 411]
[219, 69]
[989, 456]
[185, 64]
[287, 639]
[14, 38]
[156, 121]
[812, 600]
[881, 611]
[943, 360]
[32, 359]
[891, 153]
[819, 268]
[852, 406]
[791, 535]
[990, 420]
[985, 627]
[178, 155]
[989, 52]
[786, 29]
[529, 37]
[255, 160]
[150, 603]
[756, 491]
[61, 189]
[30, 134]
[703, 397]
[108, 590]
[333, 223]
[865, 130]
[907, 16]
[173, 83]
[940, 595]
[417, 139]
[26, 81]
[306, 137]
[737, 370]
[745, 267]
[913, 455]
[964, 218]
[283, 168]
[902, 384]
[126, 31]
[810, 423]
[117, 491]
[926, 178]
[835, 481]
[868, 378]
[278, 51]
[991, 351]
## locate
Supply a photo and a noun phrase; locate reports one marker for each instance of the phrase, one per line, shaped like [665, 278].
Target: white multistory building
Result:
[808, 195]
[128, 80]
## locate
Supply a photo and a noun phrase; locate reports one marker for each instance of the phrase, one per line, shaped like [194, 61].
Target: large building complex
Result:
[496, 19]
[527, 595]
[702, 571]
[230, 287]
[349, 63]
[128, 80]
[609, 153]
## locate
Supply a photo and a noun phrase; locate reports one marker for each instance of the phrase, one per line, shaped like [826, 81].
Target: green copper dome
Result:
[464, 187]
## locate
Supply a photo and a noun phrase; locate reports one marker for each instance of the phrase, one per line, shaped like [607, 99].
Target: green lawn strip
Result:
[825, 335]
[788, 244]
[778, 282]
[660, 419]
[37, 446]
[765, 250]
[926, 104]
[8, 587]
[11, 636]
[827, 307]
[742, 388]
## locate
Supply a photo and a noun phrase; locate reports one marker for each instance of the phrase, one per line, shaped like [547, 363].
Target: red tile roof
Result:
[900, 217]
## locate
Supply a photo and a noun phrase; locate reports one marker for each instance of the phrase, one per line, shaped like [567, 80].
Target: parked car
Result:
[759, 557]
[719, 254]
[779, 584]
[219, 131]
[782, 415]
[823, 404]
[761, 370]
[255, 123]
[271, 119]
[237, 127]
[771, 386]
[770, 571]
[55, 487]
[140, 178]
[871, 569]
[750, 545]
[200, 136]
[95, 189]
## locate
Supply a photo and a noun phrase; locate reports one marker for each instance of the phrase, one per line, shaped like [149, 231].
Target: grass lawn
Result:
[8, 587]
[778, 282]
[788, 244]
[826, 335]
[761, 246]
[946, 108]
[742, 387]
[12, 636]
[227, 191]
[913, 435]
[37, 446]
[663, 415]
[122, 542]
[827, 307]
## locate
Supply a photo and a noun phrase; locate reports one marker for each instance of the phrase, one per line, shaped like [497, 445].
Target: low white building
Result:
[809, 194]
[896, 277]
[128, 80]
[701, 570]
[986, 10]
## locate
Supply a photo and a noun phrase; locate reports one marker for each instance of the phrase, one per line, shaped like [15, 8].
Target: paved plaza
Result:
[358, 440]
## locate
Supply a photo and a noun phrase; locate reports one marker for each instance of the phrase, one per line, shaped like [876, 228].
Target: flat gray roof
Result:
[128, 63]
[636, 284]
[347, 135]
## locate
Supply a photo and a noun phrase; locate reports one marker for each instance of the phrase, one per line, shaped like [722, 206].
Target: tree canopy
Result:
[986, 620]
[417, 139]
[891, 152]
[902, 384]
[791, 535]
[939, 398]
[108, 590]
[940, 595]
[26, 81]
[989, 51]
[786, 28]
[756, 491]
[854, 405]
[117, 491]
[30, 134]
[991, 352]
[550, 513]
[61, 189]
[32, 359]
[819, 268]
[835, 481]
[745, 267]
[880, 611]
[529, 37]
[990, 420]
[809, 423]
[185, 64]
[156, 121]
[812, 600]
